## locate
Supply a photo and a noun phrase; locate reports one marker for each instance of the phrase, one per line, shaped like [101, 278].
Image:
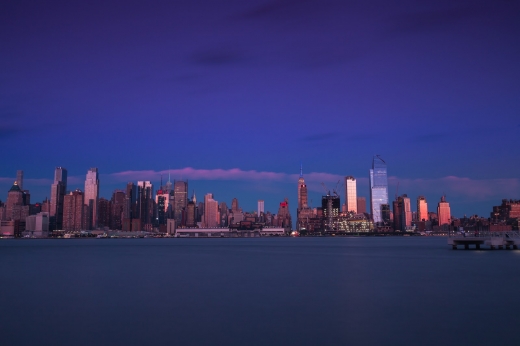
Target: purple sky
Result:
[235, 88]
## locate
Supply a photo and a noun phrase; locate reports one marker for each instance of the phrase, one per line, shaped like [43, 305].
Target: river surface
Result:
[264, 291]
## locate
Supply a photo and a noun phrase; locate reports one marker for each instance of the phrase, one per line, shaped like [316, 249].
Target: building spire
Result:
[301, 169]
[161, 182]
[169, 175]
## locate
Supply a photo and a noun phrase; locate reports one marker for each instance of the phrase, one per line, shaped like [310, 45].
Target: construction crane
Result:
[327, 191]
[335, 190]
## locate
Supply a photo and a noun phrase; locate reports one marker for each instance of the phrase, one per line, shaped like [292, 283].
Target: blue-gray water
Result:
[291, 291]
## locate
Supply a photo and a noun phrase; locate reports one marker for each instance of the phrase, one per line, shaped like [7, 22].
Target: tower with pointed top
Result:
[302, 191]
[303, 212]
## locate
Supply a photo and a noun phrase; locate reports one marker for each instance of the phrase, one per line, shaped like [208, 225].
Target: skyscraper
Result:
[407, 212]
[104, 213]
[145, 203]
[351, 194]
[234, 205]
[260, 208]
[130, 211]
[73, 207]
[19, 179]
[118, 207]
[303, 212]
[378, 187]
[402, 213]
[58, 189]
[303, 201]
[422, 209]
[443, 212]
[191, 214]
[180, 195]
[361, 205]
[211, 214]
[284, 216]
[15, 203]
[92, 197]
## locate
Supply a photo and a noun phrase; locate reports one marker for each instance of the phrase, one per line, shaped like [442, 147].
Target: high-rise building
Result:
[361, 205]
[385, 213]
[92, 197]
[118, 202]
[402, 213]
[19, 179]
[234, 205]
[422, 209]
[260, 209]
[303, 199]
[443, 212]
[397, 207]
[15, 204]
[331, 206]
[211, 214]
[407, 212]
[378, 187]
[303, 212]
[284, 216]
[104, 213]
[351, 194]
[180, 195]
[58, 190]
[191, 214]
[145, 203]
[73, 211]
[130, 211]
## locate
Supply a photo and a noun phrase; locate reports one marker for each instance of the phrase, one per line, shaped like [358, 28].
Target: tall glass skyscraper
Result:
[92, 197]
[378, 187]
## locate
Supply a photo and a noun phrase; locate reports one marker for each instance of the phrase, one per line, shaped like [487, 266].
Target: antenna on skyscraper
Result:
[397, 191]
[161, 183]
[301, 169]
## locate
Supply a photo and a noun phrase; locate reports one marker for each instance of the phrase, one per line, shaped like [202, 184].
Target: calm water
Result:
[296, 291]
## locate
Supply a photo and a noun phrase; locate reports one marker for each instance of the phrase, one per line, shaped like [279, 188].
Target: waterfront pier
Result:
[495, 240]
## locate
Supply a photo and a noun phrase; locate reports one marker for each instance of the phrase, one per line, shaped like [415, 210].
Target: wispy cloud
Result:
[462, 187]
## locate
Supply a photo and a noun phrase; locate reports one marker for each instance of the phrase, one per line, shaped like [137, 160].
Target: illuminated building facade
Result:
[92, 197]
[351, 194]
[211, 214]
[422, 209]
[378, 188]
[443, 212]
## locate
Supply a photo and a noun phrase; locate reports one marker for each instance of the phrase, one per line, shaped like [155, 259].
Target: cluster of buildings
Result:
[137, 208]
[140, 208]
[352, 216]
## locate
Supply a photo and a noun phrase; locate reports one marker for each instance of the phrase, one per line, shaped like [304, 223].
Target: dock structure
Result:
[496, 240]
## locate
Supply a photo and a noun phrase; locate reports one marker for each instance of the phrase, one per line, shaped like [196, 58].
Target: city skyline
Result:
[238, 177]
[242, 92]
